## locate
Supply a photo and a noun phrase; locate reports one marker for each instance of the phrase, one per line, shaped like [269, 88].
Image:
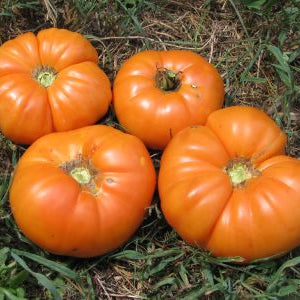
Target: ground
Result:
[255, 46]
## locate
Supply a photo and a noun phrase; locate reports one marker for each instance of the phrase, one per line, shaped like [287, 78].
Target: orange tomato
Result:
[158, 93]
[84, 192]
[227, 186]
[50, 82]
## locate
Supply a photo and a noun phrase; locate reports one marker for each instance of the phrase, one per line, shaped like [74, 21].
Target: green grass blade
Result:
[91, 288]
[279, 56]
[251, 63]
[6, 294]
[278, 275]
[18, 279]
[128, 254]
[42, 279]
[4, 252]
[135, 21]
[240, 17]
[49, 263]
[255, 4]
[294, 55]
[195, 293]
[165, 281]
[160, 266]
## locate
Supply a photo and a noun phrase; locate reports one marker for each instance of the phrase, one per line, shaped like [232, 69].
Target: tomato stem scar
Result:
[81, 175]
[83, 172]
[167, 80]
[240, 171]
[44, 75]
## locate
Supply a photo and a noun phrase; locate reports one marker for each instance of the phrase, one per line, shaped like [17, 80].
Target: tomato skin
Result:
[257, 219]
[63, 217]
[155, 115]
[79, 96]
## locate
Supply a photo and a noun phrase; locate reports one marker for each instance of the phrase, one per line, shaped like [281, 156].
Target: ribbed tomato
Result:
[83, 192]
[50, 82]
[227, 186]
[158, 93]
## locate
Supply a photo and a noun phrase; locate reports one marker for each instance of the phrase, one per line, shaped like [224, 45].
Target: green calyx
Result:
[44, 75]
[83, 172]
[167, 80]
[240, 171]
[46, 79]
[81, 175]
